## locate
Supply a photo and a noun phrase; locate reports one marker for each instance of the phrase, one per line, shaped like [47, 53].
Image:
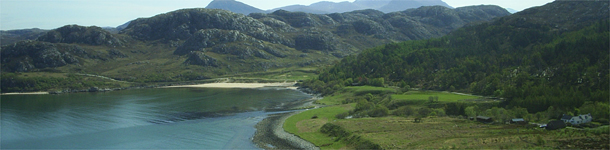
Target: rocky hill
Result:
[81, 35]
[27, 56]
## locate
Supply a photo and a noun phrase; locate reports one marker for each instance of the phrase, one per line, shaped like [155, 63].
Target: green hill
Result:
[553, 55]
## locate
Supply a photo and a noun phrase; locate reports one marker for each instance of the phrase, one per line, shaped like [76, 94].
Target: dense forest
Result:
[533, 66]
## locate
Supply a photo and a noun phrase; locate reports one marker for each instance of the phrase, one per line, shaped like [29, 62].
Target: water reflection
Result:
[130, 119]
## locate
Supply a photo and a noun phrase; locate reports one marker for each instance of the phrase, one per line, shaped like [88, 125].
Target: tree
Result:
[520, 112]
[471, 111]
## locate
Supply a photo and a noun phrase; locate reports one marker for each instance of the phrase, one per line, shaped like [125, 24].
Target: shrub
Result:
[334, 130]
[379, 111]
[361, 143]
[404, 111]
[424, 111]
[342, 115]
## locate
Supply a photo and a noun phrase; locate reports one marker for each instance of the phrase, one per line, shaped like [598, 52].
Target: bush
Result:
[424, 111]
[334, 130]
[404, 111]
[361, 143]
[379, 111]
[342, 115]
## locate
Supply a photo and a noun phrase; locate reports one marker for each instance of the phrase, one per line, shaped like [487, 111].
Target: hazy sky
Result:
[50, 14]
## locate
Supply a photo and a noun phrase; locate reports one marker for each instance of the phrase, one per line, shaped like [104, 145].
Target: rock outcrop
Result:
[229, 42]
[201, 59]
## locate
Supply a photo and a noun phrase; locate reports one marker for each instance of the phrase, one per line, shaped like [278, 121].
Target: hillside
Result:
[555, 55]
[192, 44]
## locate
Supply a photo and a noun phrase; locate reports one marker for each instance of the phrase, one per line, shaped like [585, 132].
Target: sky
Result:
[51, 14]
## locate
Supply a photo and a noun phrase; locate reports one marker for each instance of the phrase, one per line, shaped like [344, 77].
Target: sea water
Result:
[171, 118]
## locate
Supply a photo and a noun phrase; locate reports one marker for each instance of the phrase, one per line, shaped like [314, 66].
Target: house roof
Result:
[518, 120]
[483, 117]
[566, 117]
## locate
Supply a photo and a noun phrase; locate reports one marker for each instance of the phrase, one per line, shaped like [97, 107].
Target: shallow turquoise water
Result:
[176, 118]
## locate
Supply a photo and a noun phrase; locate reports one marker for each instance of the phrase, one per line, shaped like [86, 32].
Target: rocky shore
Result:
[271, 135]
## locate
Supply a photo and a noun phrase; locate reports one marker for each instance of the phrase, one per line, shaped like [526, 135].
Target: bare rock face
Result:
[201, 59]
[210, 38]
[81, 35]
[229, 42]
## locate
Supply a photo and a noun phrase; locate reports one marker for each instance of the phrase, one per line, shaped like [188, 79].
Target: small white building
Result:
[577, 119]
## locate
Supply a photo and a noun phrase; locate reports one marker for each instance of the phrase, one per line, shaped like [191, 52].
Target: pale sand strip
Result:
[289, 85]
[26, 93]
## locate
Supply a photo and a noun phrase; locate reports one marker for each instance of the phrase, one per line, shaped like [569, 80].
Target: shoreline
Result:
[288, 85]
[270, 133]
[25, 93]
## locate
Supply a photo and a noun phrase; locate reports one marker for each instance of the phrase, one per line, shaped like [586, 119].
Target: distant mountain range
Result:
[325, 7]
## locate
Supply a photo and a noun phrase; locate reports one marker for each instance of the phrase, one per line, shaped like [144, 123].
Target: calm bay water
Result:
[175, 118]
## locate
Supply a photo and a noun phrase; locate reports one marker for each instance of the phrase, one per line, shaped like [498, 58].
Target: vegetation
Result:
[536, 69]
[563, 70]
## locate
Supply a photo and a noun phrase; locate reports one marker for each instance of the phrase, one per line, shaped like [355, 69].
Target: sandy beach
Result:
[25, 93]
[290, 85]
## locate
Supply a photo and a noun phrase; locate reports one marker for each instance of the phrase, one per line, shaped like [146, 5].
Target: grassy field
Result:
[393, 132]
[360, 90]
[306, 126]
[442, 96]
[453, 133]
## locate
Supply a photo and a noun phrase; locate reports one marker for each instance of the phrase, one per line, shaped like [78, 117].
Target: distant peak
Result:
[234, 6]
